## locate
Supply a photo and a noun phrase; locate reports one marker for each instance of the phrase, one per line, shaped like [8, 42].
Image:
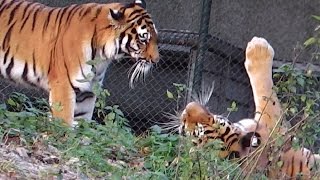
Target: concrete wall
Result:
[284, 23]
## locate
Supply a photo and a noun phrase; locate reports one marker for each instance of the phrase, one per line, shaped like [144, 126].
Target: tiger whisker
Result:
[168, 128]
[205, 93]
[171, 130]
[135, 73]
[175, 131]
[132, 68]
[141, 69]
[169, 125]
[142, 72]
[172, 116]
[170, 121]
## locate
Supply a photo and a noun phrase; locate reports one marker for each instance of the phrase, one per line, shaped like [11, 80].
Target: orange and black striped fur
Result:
[50, 48]
[246, 137]
[242, 139]
[236, 137]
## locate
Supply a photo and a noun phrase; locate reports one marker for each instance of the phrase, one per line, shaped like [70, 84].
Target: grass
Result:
[112, 151]
[96, 151]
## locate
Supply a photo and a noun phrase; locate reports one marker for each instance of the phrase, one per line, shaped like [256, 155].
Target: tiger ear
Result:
[116, 15]
[141, 3]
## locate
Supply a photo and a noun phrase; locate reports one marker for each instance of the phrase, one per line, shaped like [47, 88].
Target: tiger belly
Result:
[21, 71]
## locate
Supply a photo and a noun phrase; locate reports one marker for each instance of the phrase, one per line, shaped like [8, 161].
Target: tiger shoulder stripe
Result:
[50, 48]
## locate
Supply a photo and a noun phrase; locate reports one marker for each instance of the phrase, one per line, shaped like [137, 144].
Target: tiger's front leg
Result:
[74, 99]
[62, 100]
[70, 104]
[258, 64]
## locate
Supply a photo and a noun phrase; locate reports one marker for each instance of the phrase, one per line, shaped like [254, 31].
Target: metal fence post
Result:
[202, 44]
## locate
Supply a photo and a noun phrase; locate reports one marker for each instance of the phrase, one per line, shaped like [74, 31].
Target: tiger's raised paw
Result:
[259, 57]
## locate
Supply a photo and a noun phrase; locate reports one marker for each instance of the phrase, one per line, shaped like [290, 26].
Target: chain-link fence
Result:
[203, 41]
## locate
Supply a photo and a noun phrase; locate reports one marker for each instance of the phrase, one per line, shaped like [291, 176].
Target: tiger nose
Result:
[154, 58]
[152, 53]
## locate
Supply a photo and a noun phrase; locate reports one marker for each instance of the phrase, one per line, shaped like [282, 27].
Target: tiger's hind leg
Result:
[259, 59]
[85, 103]
[85, 98]
[258, 64]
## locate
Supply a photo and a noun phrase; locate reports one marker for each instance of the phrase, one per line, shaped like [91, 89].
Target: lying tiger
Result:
[247, 138]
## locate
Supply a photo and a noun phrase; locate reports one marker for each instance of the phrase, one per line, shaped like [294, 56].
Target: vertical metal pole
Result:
[203, 35]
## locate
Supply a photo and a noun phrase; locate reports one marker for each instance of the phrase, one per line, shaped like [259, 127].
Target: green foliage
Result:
[91, 144]
[94, 144]
[18, 102]
[299, 92]
[233, 108]
[178, 94]
[161, 151]
[102, 95]
[314, 41]
[108, 151]
[171, 156]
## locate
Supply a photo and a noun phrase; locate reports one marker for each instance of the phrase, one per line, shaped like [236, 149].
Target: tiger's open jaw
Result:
[196, 130]
[139, 71]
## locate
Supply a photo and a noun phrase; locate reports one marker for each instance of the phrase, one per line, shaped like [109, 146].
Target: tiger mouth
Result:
[197, 131]
[183, 130]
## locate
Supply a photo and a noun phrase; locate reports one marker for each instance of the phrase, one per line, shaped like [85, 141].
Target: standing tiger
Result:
[50, 48]
[248, 139]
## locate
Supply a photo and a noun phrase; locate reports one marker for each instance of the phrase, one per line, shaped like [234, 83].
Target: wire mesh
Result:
[185, 38]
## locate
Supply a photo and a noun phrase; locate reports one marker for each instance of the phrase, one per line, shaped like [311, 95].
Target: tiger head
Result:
[137, 36]
[194, 115]
[197, 121]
